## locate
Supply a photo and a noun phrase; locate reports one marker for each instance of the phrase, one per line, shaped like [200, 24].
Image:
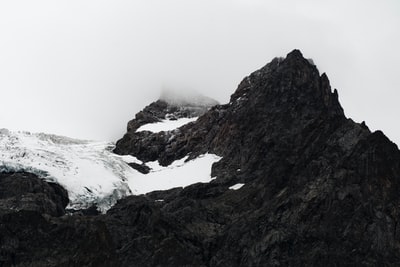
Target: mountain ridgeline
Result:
[318, 188]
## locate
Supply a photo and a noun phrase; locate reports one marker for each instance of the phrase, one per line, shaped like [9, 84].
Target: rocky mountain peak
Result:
[286, 95]
[295, 54]
[172, 105]
[291, 83]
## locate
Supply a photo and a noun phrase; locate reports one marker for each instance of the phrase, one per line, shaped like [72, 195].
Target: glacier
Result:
[86, 169]
[89, 170]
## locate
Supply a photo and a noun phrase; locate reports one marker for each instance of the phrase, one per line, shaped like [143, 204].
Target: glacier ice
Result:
[86, 169]
[90, 172]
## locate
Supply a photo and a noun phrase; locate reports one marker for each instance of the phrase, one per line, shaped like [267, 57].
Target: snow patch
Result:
[236, 186]
[179, 174]
[165, 125]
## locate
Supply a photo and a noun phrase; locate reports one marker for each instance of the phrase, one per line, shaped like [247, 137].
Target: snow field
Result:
[178, 174]
[165, 125]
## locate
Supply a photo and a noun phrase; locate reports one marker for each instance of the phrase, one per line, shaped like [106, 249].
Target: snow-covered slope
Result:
[178, 174]
[89, 171]
[86, 169]
[165, 125]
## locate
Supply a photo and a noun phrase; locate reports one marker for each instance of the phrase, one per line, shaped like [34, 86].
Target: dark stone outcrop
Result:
[33, 231]
[140, 167]
[25, 191]
[29, 238]
[320, 189]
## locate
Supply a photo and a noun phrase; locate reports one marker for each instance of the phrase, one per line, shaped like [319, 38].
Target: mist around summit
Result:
[184, 97]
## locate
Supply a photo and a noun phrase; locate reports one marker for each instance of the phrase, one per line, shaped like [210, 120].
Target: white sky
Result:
[83, 68]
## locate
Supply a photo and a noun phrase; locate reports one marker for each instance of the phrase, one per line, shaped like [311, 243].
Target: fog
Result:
[84, 68]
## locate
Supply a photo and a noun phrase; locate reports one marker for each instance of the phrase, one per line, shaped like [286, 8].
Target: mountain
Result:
[92, 175]
[147, 129]
[295, 183]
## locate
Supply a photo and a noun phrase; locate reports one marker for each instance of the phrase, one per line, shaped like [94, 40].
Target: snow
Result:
[90, 172]
[165, 125]
[236, 186]
[86, 169]
[178, 174]
[128, 159]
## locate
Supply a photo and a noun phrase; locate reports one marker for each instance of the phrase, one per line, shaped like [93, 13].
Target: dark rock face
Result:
[320, 189]
[33, 231]
[140, 167]
[25, 191]
[29, 238]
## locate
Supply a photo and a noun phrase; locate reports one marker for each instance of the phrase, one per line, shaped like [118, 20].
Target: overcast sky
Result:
[83, 68]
